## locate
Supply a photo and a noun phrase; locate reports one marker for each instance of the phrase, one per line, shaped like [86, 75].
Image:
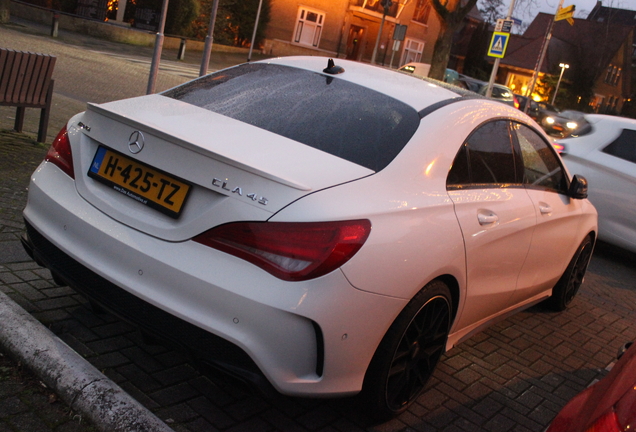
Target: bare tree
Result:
[451, 14]
[491, 10]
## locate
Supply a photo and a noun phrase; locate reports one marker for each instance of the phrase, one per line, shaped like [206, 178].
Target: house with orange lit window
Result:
[597, 53]
[349, 29]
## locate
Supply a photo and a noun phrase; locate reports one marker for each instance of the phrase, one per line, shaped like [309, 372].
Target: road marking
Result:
[185, 70]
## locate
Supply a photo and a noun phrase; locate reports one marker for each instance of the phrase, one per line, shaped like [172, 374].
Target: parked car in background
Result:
[469, 83]
[537, 110]
[501, 93]
[607, 406]
[328, 229]
[422, 70]
[451, 76]
[603, 149]
[417, 69]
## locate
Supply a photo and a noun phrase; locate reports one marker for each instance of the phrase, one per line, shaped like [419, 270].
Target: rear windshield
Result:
[327, 113]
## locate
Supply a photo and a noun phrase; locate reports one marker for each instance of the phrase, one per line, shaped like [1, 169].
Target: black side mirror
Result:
[578, 187]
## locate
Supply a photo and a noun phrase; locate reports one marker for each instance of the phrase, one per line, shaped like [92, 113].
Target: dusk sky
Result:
[583, 7]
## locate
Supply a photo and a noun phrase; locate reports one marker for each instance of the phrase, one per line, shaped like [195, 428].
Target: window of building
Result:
[617, 76]
[377, 6]
[412, 51]
[422, 11]
[608, 74]
[613, 75]
[309, 27]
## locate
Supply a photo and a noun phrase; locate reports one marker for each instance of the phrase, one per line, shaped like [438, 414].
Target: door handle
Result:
[545, 208]
[487, 218]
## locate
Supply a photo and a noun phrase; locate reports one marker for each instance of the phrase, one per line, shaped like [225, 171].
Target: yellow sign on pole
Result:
[565, 13]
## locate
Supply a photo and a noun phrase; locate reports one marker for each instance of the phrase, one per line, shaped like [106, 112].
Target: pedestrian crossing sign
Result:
[498, 44]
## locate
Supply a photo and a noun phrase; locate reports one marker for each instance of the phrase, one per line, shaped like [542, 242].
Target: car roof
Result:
[419, 93]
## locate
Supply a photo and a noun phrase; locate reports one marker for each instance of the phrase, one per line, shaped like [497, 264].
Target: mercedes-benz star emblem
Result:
[136, 142]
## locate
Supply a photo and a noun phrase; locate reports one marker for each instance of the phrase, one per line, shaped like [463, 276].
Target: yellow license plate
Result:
[139, 181]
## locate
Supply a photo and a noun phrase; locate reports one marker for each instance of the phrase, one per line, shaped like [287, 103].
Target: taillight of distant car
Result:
[60, 153]
[515, 101]
[291, 251]
[559, 147]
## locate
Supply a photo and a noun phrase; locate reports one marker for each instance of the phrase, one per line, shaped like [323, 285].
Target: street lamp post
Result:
[563, 67]
[386, 4]
[156, 56]
[209, 40]
[258, 14]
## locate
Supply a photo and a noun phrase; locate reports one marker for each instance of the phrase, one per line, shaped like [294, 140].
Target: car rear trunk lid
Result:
[236, 171]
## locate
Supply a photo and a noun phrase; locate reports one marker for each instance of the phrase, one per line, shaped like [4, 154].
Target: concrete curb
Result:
[75, 380]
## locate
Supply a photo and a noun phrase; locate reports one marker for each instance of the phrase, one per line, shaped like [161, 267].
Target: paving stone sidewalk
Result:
[26, 404]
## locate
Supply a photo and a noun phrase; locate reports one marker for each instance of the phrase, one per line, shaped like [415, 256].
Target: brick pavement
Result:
[515, 376]
[25, 403]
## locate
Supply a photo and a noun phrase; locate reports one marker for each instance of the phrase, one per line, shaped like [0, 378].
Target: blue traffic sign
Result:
[498, 44]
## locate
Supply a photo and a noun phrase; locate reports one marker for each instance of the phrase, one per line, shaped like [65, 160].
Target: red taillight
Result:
[558, 146]
[606, 423]
[291, 251]
[60, 153]
[515, 101]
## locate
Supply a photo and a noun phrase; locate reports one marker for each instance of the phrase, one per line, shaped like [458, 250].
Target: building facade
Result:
[596, 54]
[349, 29]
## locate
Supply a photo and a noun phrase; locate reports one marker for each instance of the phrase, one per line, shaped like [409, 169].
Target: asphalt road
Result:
[515, 376]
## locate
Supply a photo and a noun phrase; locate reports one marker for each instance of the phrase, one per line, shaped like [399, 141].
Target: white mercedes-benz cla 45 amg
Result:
[328, 229]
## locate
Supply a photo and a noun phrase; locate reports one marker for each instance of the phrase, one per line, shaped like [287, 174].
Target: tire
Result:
[571, 280]
[408, 353]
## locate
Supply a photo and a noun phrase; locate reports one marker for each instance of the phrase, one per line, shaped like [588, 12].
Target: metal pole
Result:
[544, 48]
[258, 14]
[156, 57]
[209, 39]
[377, 40]
[495, 67]
[396, 46]
[563, 67]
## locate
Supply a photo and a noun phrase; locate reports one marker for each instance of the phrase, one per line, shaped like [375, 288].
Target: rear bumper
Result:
[203, 345]
[310, 338]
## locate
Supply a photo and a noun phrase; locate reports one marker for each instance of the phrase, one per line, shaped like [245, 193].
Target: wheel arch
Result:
[453, 286]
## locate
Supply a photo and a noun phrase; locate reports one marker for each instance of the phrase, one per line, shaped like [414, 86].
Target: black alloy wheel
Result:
[409, 352]
[566, 288]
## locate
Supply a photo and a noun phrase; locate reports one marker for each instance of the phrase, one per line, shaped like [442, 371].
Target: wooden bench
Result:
[25, 82]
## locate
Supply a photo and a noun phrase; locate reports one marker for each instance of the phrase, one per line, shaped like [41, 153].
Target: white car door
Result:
[558, 216]
[496, 216]
[611, 171]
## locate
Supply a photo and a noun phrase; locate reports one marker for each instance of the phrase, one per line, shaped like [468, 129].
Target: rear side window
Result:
[485, 159]
[541, 166]
[624, 146]
[327, 113]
